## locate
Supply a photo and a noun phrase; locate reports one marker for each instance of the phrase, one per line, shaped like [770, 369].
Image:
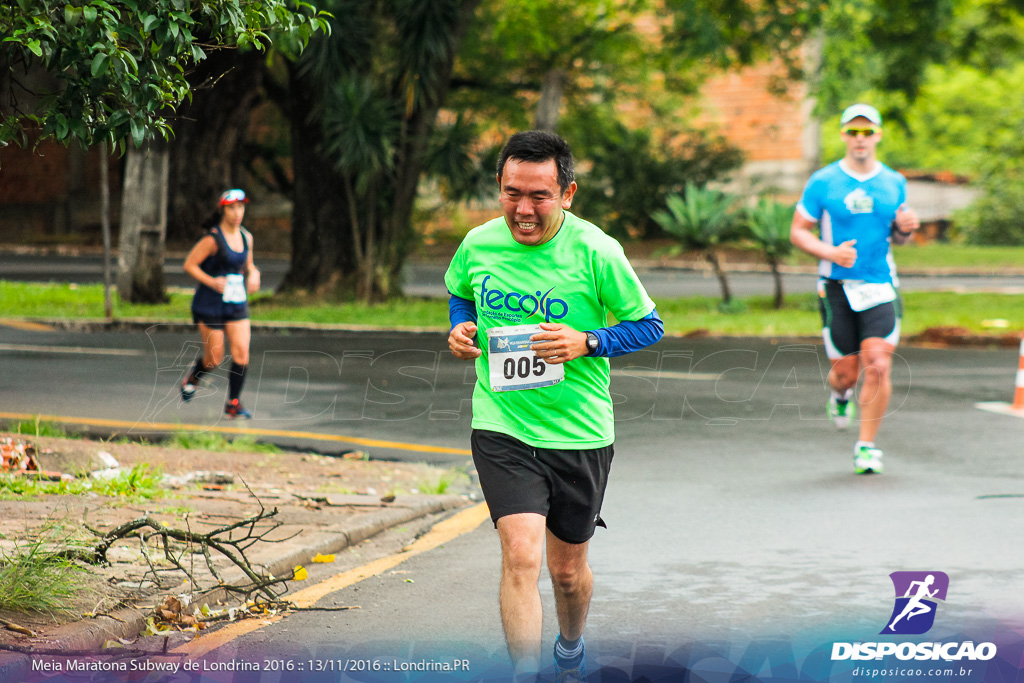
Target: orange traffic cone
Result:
[1018, 394]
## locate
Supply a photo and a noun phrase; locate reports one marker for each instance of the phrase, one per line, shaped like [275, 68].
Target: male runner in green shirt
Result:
[530, 297]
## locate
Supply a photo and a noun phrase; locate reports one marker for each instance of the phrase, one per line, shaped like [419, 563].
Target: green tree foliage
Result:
[702, 219]
[631, 171]
[623, 75]
[729, 33]
[769, 222]
[90, 70]
[964, 121]
[952, 103]
[882, 45]
[997, 217]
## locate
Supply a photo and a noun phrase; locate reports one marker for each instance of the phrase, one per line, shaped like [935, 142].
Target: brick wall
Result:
[49, 190]
[765, 126]
[775, 131]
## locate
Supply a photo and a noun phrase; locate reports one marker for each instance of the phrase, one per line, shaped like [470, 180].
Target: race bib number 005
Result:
[512, 363]
[864, 295]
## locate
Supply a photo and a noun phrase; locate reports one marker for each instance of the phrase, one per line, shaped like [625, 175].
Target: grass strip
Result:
[134, 485]
[750, 316]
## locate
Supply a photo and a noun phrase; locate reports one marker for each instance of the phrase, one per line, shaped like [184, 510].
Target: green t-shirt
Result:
[576, 278]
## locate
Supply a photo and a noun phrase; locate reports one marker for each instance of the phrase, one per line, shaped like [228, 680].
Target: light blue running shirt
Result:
[852, 206]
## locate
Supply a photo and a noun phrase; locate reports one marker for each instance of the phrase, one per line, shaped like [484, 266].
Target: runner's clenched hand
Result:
[461, 341]
[559, 343]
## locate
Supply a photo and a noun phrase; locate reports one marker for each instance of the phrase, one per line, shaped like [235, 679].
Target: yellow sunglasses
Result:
[866, 132]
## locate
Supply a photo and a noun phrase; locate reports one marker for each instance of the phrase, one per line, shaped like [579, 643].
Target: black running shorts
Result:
[844, 328]
[566, 486]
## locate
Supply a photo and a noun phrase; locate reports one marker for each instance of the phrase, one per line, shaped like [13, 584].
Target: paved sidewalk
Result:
[324, 505]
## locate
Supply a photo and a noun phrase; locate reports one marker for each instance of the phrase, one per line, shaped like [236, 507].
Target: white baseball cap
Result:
[865, 110]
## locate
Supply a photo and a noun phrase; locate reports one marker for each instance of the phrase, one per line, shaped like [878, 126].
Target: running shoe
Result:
[841, 412]
[867, 460]
[571, 671]
[188, 390]
[234, 409]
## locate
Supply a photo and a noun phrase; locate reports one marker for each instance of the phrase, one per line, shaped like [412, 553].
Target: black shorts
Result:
[228, 314]
[844, 328]
[566, 486]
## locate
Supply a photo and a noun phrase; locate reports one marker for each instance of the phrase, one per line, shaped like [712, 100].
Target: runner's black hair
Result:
[538, 146]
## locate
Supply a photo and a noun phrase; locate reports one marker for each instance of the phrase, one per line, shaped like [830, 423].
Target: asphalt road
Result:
[737, 530]
[427, 279]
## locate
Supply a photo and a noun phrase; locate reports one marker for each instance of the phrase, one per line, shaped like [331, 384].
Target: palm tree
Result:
[702, 219]
[364, 108]
[769, 224]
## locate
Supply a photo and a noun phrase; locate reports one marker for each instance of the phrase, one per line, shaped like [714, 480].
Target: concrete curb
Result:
[129, 622]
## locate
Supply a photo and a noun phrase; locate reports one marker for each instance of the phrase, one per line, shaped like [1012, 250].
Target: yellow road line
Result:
[251, 431]
[25, 325]
[84, 350]
[441, 533]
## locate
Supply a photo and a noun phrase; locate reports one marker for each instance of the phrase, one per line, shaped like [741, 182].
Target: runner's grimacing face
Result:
[858, 147]
[532, 201]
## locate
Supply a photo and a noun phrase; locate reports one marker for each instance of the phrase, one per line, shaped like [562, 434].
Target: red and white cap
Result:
[232, 196]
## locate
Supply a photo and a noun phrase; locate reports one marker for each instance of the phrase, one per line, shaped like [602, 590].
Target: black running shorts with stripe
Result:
[843, 328]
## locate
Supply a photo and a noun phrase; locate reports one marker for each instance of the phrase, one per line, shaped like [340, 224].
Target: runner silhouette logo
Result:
[917, 594]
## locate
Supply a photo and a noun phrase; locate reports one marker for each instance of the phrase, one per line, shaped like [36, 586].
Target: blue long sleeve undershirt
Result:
[617, 340]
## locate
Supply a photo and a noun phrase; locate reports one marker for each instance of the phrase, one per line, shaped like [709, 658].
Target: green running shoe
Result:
[867, 460]
[841, 412]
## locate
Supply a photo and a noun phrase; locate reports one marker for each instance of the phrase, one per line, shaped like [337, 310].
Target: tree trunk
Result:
[723, 281]
[550, 104]
[208, 136]
[319, 212]
[108, 307]
[774, 264]
[140, 264]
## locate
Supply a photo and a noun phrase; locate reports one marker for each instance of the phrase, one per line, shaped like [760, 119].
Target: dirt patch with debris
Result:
[202, 491]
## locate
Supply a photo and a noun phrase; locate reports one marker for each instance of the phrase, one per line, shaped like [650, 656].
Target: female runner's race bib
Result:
[234, 290]
[864, 295]
[512, 363]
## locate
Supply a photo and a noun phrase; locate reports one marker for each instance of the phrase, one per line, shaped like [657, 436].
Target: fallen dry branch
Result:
[177, 546]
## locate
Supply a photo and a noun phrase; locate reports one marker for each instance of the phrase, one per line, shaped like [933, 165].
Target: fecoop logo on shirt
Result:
[513, 305]
[916, 602]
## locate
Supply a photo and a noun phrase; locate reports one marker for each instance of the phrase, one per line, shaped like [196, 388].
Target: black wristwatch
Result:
[592, 342]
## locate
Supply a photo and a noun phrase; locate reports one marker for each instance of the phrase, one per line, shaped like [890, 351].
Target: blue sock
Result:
[568, 650]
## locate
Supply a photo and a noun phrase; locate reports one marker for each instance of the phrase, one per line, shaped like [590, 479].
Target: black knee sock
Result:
[198, 370]
[236, 378]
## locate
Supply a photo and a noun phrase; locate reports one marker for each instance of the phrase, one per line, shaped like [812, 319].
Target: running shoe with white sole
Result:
[841, 412]
[867, 460]
[188, 390]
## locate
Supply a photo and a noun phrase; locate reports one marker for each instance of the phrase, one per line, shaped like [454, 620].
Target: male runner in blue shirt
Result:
[858, 205]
